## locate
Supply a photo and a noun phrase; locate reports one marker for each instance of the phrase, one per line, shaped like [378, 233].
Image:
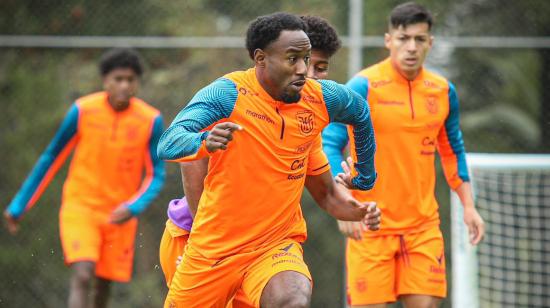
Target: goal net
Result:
[511, 266]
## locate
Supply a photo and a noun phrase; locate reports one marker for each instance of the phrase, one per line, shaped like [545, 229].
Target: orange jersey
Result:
[252, 190]
[114, 159]
[412, 119]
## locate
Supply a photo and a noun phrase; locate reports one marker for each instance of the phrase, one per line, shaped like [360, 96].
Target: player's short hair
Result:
[410, 13]
[266, 29]
[120, 58]
[322, 35]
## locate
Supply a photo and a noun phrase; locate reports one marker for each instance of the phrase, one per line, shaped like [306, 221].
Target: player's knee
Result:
[290, 290]
[83, 273]
[288, 300]
[298, 300]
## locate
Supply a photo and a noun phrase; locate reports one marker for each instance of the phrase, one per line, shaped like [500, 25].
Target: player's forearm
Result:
[464, 192]
[180, 144]
[331, 197]
[193, 174]
[338, 206]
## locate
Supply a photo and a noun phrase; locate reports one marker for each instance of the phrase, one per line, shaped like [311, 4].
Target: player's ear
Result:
[259, 57]
[387, 40]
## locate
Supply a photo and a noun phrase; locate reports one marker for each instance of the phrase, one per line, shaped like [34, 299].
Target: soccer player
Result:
[415, 114]
[114, 136]
[324, 44]
[259, 128]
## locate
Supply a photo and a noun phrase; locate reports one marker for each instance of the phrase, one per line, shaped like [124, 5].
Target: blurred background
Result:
[497, 52]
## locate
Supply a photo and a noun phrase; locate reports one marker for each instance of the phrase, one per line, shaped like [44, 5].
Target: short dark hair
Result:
[322, 35]
[266, 29]
[410, 13]
[120, 58]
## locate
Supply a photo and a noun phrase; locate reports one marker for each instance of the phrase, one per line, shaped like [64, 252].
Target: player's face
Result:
[286, 63]
[409, 47]
[121, 84]
[318, 65]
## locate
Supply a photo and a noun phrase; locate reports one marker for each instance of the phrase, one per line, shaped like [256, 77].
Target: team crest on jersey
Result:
[361, 285]
[306, 121]
[431, 104]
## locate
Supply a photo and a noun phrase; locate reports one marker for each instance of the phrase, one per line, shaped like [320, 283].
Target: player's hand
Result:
[373, 217]
[352, 229]
[220, 135]
[11, 223]
[345, 178]
[370, 214]
[475, 224]
[120, 215]
[178, 260]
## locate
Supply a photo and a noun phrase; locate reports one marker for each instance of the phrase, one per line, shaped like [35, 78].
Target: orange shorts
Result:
[200, 282]
[381, 268]
[172, 245]
[87, 235]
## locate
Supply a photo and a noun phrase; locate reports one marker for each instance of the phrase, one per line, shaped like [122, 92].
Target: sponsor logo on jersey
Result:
[298, 164]
[260, 116]
[390, 102]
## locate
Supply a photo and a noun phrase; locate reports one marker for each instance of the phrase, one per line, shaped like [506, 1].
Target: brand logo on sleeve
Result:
[379, 83]
[431, 84]
[310, 99]
[245, 91]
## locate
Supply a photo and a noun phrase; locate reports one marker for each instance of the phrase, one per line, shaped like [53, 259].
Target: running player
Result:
[324, 44]
[415, 114]
[114, 136]
[259, 129]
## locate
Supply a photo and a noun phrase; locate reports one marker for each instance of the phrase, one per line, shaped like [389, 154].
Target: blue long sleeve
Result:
[155, 174]
[335, 139]
[47, 165]
[346, 106]
[184, 137]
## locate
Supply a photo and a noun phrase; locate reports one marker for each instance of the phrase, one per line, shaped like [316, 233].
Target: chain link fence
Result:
[505, 107]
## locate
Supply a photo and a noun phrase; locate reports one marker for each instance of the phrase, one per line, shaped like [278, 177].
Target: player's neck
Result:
[118, 106]
[407, 75]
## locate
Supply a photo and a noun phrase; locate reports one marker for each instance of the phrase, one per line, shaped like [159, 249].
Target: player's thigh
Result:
[200, 282]
[117, 251]
[371, 270]
[422, 269]
[285, 257]
[170, 249]
[80, 235]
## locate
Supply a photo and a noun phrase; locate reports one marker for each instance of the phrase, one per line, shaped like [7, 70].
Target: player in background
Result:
[324, 44]
[259, 127]
[415, 114]
[114, 136]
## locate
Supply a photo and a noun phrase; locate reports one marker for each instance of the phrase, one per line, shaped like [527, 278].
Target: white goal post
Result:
[489, 170]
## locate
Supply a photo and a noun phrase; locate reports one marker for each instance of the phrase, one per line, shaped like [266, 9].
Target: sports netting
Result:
[514, 257]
